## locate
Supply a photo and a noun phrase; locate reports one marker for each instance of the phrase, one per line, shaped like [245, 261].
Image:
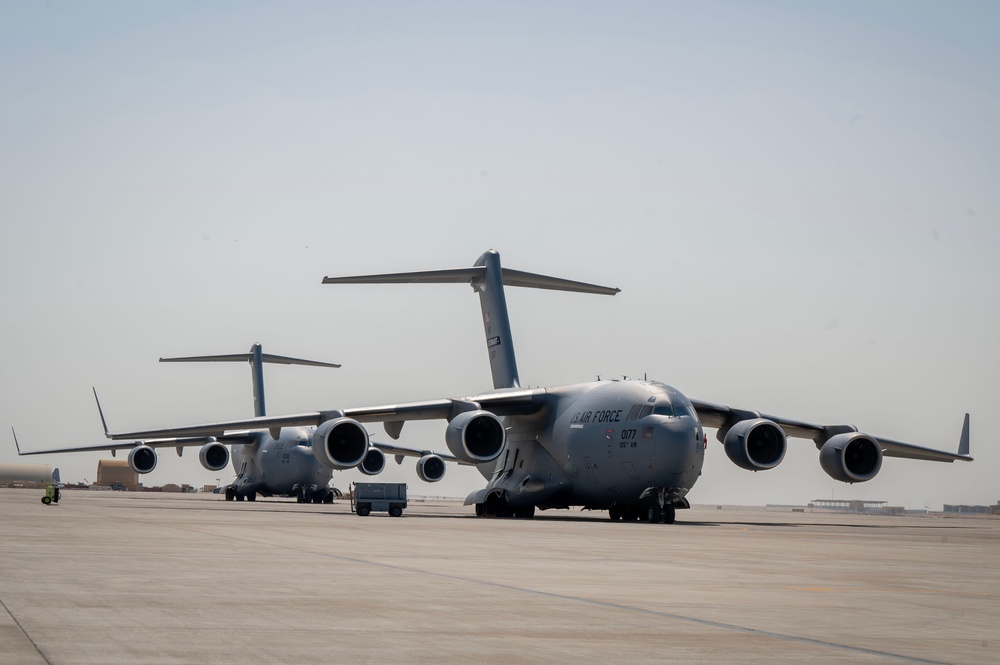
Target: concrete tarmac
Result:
[133, 578]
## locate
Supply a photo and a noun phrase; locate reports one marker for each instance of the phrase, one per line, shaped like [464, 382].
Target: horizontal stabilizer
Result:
[456, 276]
[247, 357]
[489, 279]
[535, 281]
[473, 275]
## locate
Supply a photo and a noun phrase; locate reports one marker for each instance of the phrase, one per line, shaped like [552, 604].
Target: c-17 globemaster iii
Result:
[272, 462]
[633, 447]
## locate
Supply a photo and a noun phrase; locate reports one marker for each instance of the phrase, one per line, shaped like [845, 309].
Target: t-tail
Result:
[488, 279]
[256, 358]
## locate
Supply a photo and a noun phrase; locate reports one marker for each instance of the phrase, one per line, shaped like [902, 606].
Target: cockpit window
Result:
[645, 411]
[634, 413]
[684, 410]
[663, 410]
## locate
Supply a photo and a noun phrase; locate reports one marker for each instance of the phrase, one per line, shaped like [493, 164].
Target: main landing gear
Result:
[496, 506]
[305, 496]
[651, 513]
[233, 495]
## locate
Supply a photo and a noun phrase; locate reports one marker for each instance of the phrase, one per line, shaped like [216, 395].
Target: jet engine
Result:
[214, 456]
[851, 457]
[341, 443]
[142, 458]
[430, 468]
[373, 463]
[475, 436]
[757, 444]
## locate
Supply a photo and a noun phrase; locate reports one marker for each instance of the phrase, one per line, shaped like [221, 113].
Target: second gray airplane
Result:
[279, 461]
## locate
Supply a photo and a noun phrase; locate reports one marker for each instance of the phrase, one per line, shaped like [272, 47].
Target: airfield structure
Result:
[110, 472]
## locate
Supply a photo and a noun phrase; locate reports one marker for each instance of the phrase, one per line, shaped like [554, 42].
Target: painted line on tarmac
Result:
[23, 632]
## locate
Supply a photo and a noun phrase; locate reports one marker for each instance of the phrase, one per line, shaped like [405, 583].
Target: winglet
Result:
[16, 445]
[103, 422]
[963, 443]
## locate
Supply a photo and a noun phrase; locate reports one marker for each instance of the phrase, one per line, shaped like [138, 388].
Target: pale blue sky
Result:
[800, 203]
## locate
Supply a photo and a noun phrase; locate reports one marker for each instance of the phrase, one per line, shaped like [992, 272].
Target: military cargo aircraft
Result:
[634, 448]
[275, 462]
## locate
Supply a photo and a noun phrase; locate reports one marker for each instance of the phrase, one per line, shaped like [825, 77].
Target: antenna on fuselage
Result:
[256, 358]
[488, 279]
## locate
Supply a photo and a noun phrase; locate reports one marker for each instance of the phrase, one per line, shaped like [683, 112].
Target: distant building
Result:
[981, 510]
[849, 505]
[110, 471]
[174, 487]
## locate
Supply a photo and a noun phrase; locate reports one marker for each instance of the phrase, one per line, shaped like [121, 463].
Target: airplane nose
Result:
[678, 447]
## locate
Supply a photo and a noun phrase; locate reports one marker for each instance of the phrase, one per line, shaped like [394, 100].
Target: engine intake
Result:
[341, 443]
[214, 456]
[373, 463]
[430, 468]
[475, 436]
[756, 445]
[142, 458]
[851, 457]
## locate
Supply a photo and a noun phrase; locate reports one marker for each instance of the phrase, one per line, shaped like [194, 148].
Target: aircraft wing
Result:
[399, 452]
[177, 442]
[501, 403]
[721, 416]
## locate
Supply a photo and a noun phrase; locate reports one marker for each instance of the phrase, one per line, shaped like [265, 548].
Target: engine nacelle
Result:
[475, 436]
[374, 462]
[756, 445]
[214, 456]
[341, 443]
[142, 458]
[851, 457]
[430, 468]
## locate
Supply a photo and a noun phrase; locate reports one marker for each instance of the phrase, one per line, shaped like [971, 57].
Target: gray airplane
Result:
[634, 448]
[273, 462]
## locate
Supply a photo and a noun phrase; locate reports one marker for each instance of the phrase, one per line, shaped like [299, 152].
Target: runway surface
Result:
[118, 577]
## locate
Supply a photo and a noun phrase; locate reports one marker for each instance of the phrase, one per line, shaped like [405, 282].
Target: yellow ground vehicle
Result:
[52, 494]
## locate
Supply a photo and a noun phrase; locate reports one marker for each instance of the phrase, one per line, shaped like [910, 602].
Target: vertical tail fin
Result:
[488, 279]
[496, 322]
[256, 358]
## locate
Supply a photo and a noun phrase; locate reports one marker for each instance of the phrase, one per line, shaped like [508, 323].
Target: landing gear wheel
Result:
[615, 513]
[230, 494]
[653, 513]
[252, 496]
[328, 498]
[525, 513]
[480, 510]
[669, 514]
[239, 497]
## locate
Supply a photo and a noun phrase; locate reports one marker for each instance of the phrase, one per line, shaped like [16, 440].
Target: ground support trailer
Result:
[382, 497]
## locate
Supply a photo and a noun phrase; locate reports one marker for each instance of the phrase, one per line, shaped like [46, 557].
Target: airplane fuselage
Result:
[285, 466]
[600, 445]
